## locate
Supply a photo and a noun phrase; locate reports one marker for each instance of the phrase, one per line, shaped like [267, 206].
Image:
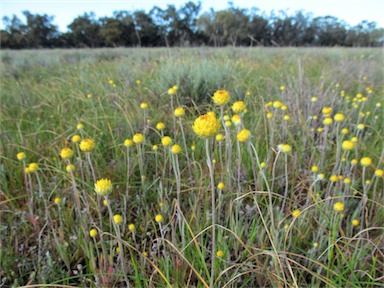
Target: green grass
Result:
[46, 93]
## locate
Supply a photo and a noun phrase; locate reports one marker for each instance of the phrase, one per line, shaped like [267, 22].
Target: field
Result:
[245, 167]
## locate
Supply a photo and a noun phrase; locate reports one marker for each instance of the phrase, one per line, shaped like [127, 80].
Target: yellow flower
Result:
[160, 126]
[159, 218]
[314, 99]
[166, 141]
[327, 121]
[221, 97]
[365, 161]
[128, 143]
[238, 107]
[263, 164]
[117, 219]
[138, 138]
[103, 187]
[155, 147]
[79, 126]
[243, 135]
[284, 107]
[57, 200]
[179, 111]
[355, 222]
[320, 129]
[270, 103]
[87, 145]
[269, 115]
[66, 153]
[220, 186]
[138, 82]
[33, 167]
[360, 126]
[277, 104]
[354, 161]
[315, 169]
[93, 233]
[89, 95]
[339, 117]
[69, 168]
[193, 147]
[347, 145]
[219, 137]
[76, 138]
[339, 206]
[287, 117]
[344, 131]
[379, 173]
[285, 148]
[131, 227]
[296, 213]
[282, 87]
[315, 244]
[327, 111]
[172, 90]
[206, 125]
[333, 178]
[21, 156]
[176, 149]
[347, 180]
[144, 105]
[220, 253]
[228, 123]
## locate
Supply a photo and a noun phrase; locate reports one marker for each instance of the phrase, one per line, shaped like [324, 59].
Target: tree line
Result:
[187, 26]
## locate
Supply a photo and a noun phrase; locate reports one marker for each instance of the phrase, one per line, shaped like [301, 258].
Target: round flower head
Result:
[70, 168]
[219, 137]
[314, 99]
[347, 180]
[33, 167]
[379, 173]
[333, 178]
[296, 213]
[285, 148]
[220, 253]
[277, 104]
[238, 107]
[66, 153]
[236, 119]
[355, 222]
[159, 218]
[131, 227]
[206, 125]
[79, 126]
[243, 135]
[138, 138]
[344, 131]
[221, 97]
[284, 107]
[103, 187]
[117, 219]
[155, 147]
[93, 233]
[57, 200]
[128, 143]
[327, 121]
[327, 111]
[21, 156]
[160, 126]
[354, 161]
[365, 161]
[176, 149]
[166, 141]
[179, 111]
[287, 117]
[315, 169]
[339, 117]
[144, 105]
[172, 90]
[87, 145]
[347, 145]
[339, 206]
[76, 138]
[360, 126]
[269, 115]
[263, 164]
[220, 186]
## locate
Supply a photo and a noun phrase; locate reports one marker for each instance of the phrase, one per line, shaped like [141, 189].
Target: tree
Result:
[84, 31]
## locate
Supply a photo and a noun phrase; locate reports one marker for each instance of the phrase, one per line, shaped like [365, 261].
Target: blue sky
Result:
[352, 11]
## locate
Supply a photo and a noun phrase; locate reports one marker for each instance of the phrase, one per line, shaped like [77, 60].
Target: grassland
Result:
[297, 204]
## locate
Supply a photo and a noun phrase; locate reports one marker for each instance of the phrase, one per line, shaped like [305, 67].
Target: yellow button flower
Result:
[103, 187]
[87, 145]
[365, 161]
[339, 117]
[21, 156]
[285, 148]
[221, 97]
[128, 143]
[138, 138]
[219, 137]
[176, 149]
[379, 173]
[93, 233]
[66, 153]
[159, 218]
[347, 145]
[69, 168]
[296, 213]
[76, 138]
[33, 167]
[243, 135]
[206, 125]
[339, 206]
[117, 219]
[160, 126]
[220, 186]
[131, 227]
[220, 253]
[179, 111]
[144, 105]
[166, 141]
[238, 107]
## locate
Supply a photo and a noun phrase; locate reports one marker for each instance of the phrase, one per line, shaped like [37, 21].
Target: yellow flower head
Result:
[354, 161]
[327, 121]
[355, 222]
[93, 233]
[277, 104]
[339, 117]
[221, 97]
[103, 187]
[155, 147]
[117, 219]
[33, 167]
[220, 253]
[360, 126]
[179, 111]
[263, 164]
[365, 161]
[138, 138]
[269, 115]
[344, 131]
[379, 173]
[206, 125]
[87, 145]
[160, 126]
[159, 218]
[285, 148]
[243, 135]
[57, 200]
[138, 81]
[347, 145]
[131, 227]
[172, 91]
[287, 117]
[166, 141]
[327, 111]
[128, 143]
[66, 153]
[238, 107]
[236, 119]
[70, 168]
[193, 147]
[296, 213]
[339, 206]
[220, 186]
[21, 156]
[144, 105]
[315, 169]
[314, 99]
[333, 178]
[79, 126]
[76, 138]
[282, 87]
[219, 137]
[176, 149]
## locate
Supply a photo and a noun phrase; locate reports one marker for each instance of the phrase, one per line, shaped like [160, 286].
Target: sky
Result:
[351, 11]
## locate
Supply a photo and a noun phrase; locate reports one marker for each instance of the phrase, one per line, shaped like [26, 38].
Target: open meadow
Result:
[199, 167]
